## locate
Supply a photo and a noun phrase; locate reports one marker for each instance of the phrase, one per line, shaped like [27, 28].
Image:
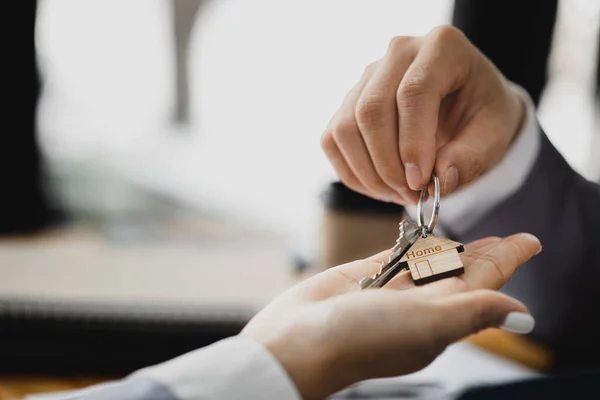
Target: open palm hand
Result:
[328, 333]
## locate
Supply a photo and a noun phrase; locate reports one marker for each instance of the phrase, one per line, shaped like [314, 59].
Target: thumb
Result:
[468, 313]
[459, 163]
[477, 148]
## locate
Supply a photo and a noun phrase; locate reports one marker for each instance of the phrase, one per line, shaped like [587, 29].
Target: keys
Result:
[431, 259]
[409, 233]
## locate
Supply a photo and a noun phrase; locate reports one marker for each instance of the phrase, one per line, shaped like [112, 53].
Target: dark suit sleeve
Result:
[561, 286]
[515, 35]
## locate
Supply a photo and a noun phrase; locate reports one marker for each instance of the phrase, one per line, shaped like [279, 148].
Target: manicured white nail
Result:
[518, 322]
[540, 250]
[531, 238]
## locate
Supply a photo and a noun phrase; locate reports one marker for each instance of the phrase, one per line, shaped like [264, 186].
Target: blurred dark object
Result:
[26, 203]
[515, 35]
[339, 197]
[54, 338]
[574, 385]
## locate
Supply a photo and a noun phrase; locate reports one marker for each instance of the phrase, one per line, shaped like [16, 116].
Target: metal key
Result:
[409, 233]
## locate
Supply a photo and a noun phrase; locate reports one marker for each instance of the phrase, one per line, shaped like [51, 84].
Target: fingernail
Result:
[450, 179]
[518, 322]
[533, 239]
[414, 177]
[539, 250]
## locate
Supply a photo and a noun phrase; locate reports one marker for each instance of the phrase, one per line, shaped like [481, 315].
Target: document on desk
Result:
[461, 366]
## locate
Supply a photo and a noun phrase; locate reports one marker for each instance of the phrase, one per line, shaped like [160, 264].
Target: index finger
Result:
[377, 117]
[441, 67]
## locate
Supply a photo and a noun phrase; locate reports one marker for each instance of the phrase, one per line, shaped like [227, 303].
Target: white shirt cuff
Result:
[462, 209]
[234, 368]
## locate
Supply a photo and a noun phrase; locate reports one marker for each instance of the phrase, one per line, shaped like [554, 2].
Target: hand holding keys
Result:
[428, 257]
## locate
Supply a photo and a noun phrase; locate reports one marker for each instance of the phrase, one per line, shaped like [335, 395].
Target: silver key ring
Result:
[427, 229]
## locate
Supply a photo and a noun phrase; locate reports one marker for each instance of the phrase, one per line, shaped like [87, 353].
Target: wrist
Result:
[308, 361]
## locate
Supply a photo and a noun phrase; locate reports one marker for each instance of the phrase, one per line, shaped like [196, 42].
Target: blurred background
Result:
[263, 78]
[185, 135]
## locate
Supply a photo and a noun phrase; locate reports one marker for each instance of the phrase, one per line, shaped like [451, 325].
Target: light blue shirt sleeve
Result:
[132, 388]
[234, 368]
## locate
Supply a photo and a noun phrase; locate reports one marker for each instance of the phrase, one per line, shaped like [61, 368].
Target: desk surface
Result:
[79, 264]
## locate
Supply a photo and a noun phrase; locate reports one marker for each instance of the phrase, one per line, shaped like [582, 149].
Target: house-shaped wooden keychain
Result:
[432, 258]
